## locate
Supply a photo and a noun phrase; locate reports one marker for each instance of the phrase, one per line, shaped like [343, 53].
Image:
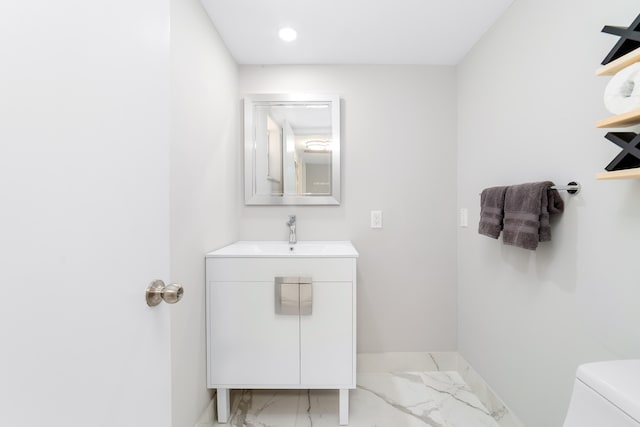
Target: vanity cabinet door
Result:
[326, 337]
[249, 344]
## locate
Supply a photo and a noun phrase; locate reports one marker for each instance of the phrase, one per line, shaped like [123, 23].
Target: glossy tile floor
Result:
[387, 395]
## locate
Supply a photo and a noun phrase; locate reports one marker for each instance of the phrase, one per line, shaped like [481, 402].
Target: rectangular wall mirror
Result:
[292, 149]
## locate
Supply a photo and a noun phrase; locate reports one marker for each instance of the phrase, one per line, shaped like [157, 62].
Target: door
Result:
[249, 343]
[84, 213]
[326, 336]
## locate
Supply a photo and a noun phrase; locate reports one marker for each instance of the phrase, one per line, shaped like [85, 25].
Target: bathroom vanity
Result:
[281, 315]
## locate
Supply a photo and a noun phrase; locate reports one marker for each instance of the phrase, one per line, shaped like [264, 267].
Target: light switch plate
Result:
[464, 217]
[376, 219]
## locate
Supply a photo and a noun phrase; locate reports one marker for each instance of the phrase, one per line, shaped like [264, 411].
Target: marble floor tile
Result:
[432, 398]
[440, 361]
[490, 400]
[397, 399]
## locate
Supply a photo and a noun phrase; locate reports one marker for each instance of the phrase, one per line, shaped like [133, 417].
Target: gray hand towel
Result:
[526, 213]
[491, 211]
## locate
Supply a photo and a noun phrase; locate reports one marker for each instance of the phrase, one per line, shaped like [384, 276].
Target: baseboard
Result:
[208, 416]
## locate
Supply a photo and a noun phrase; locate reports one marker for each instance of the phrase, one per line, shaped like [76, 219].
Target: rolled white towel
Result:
[623, 91]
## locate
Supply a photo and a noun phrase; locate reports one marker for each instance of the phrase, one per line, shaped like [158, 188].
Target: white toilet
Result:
[606, 394]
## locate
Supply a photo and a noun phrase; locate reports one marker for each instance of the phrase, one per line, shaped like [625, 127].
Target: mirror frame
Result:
[250, 197]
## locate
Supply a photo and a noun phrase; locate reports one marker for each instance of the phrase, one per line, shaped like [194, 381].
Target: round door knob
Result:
[157, 291]
[172, 293]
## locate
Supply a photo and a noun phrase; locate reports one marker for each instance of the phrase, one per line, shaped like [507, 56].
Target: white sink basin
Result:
[277, 249]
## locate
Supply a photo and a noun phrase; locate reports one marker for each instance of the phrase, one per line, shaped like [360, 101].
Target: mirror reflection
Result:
[292, 149]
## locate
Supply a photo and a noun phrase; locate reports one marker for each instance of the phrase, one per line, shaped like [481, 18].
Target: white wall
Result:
[205, 150]
[398, 142]
[528, 101]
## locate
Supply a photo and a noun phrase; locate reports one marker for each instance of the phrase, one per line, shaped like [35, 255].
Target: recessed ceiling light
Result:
[287, 34]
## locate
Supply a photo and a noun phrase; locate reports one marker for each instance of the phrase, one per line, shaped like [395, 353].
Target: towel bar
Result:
[571, 188]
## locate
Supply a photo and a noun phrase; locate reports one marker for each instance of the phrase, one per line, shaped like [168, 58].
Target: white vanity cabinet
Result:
[281, 316]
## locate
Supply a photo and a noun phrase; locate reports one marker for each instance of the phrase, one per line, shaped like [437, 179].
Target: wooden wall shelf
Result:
[624, 61]
[621, 120]
[621, 174]
[631, 118]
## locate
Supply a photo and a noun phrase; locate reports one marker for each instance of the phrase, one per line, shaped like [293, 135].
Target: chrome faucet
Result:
[292, 229]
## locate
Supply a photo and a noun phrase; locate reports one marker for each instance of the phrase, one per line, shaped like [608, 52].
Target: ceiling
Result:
[353, 31]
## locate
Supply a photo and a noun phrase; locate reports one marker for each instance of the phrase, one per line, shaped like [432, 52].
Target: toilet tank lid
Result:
[618, 381]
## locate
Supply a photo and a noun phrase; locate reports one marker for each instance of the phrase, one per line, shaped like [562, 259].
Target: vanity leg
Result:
[224, 405]
[344, 406]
